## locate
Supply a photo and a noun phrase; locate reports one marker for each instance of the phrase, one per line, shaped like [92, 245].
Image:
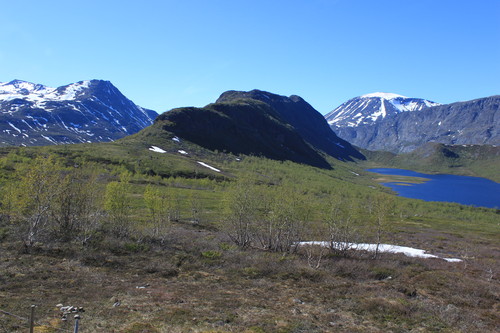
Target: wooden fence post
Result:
[32, 318]
[77, 319]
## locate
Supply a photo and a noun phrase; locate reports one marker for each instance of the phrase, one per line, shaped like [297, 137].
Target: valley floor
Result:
[158, 256]
[198, 282]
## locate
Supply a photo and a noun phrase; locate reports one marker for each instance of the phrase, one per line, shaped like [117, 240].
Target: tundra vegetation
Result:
[150, 242]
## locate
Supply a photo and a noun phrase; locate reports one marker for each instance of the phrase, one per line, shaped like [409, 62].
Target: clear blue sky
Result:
[166, 54]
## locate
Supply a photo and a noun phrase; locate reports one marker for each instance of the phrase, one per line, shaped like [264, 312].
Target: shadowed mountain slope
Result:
[252, 123]
[308, 122]
[242, 126]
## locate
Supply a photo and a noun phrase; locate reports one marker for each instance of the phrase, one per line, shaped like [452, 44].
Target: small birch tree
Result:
[75, 212]
[240, 208]
[117, 205]
[159, 206]
[340, 221]
[383, 205]
[29, 200]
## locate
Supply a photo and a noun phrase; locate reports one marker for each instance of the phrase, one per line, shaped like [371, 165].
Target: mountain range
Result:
[86, 111]
[399, 124]
[245, 122]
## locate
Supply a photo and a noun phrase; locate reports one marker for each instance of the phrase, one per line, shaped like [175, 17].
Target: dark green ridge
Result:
[242, 126]
[308, 122]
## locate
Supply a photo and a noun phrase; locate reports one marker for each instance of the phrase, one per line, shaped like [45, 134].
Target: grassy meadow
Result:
[157, 242]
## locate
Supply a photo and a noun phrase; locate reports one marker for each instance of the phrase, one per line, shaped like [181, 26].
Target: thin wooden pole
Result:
[32, 318]
[77, 319]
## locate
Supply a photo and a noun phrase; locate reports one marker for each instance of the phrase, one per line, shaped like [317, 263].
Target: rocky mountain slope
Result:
[86, 111]
[463, 123]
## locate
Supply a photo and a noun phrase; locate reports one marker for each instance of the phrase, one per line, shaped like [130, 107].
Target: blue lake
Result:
[475, 191]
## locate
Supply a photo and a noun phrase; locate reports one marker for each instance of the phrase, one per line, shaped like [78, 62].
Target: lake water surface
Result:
[475, 191]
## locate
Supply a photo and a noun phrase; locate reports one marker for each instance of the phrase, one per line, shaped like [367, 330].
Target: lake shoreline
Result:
[465, 190]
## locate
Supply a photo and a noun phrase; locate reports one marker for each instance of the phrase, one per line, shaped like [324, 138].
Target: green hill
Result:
[243, 126]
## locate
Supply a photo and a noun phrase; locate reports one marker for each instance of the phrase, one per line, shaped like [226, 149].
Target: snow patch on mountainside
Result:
[208, 166]
[157, 150]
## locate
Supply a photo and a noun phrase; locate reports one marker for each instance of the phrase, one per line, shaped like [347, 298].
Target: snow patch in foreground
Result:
[183, 152]
[208, 166]
[157, 149]
[388, 248]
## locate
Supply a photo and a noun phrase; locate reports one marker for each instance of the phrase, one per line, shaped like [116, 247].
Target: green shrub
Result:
[135, 247]
[251, 272]
[226, 247]
[3, 233]
[381, 273]
[211, 254]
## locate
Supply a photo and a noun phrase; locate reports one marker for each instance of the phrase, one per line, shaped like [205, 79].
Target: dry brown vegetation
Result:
[199, 282]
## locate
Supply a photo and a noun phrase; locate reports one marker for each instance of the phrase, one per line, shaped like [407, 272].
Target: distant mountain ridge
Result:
[87, 111]
[474, 122]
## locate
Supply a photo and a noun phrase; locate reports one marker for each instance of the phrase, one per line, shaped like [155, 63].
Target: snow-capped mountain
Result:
[87, 111]
[463, 123]
[370, 108]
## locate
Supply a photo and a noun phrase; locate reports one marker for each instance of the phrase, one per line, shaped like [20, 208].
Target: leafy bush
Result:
[135, 247]
[211, 254]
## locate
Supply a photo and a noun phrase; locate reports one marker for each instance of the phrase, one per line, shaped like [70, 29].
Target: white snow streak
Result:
[49, 139]
[157, 150]
[14, 127]
[208, 166]
[388, 248]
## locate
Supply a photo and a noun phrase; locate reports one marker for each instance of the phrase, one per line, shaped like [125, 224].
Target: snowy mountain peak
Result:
[370, 108]
[383, 95]
[85, 111]
[71, 91]
[20, 84]
[18, 89]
